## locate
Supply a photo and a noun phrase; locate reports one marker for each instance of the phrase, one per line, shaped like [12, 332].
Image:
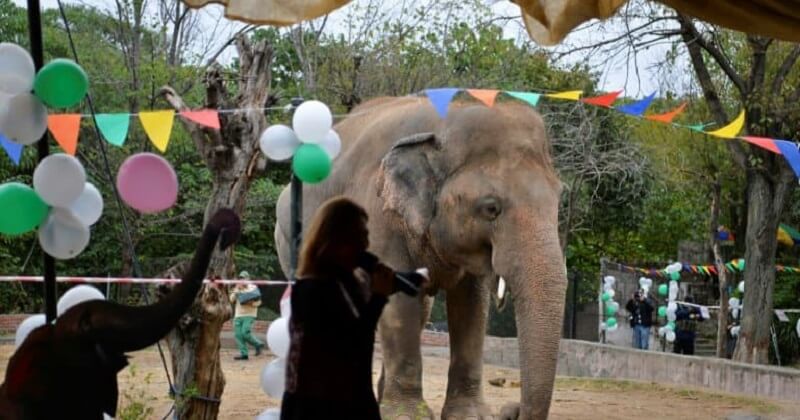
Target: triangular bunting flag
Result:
[158, 126]
[441, 98]
[572, 95]
[205, 117]
[731, 130]
[13, 150]
[697, 127]
[791, 154]
[637, 108]
[531, 98]
[763, 142]
[604, 100]
[667, 117]
[65, 129]
[113, 127]
[487, 96]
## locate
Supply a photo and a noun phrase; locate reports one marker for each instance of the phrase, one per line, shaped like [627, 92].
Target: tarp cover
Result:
[549, 21]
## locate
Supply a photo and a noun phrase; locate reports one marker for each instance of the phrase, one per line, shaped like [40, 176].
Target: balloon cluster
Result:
[669, 311]
[312, 144]
[61, 204]
[24, 93]
[74, 296]
[273, 375]
[610, 306]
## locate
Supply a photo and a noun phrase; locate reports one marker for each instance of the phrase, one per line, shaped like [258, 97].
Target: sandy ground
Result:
[143, 384]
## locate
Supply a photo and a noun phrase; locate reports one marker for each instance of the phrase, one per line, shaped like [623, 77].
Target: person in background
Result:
[733, 333]
[686, 318]
[247, 298]
[640, 309]
[336, 302]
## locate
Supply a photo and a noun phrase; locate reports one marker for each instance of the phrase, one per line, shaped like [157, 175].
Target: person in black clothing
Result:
[686, 318]
[640, 308]
[335, 310]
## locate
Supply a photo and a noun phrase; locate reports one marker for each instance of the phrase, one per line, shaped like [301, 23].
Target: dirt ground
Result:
[143, 386]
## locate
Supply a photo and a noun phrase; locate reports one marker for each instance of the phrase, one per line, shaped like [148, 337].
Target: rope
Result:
[110, 178]
[134, 280]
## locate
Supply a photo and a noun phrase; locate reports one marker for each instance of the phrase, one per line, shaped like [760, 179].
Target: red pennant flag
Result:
[667, 117]
[65, 129]
[712, 269]
[204, 117]
[763, 142]
[487, 96]
[605, 100]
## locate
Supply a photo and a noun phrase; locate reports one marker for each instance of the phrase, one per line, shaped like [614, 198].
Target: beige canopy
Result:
[549, 21]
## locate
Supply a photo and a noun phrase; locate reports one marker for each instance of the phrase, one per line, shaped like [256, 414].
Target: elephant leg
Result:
[400, 385]
[467, 310]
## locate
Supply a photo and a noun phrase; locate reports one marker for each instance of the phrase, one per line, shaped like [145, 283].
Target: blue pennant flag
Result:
[441, 98]
[637, 108]
[790, 153]
[13, 150]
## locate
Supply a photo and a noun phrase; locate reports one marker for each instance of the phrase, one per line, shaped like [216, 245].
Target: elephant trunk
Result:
[129, 328]
[532, 264]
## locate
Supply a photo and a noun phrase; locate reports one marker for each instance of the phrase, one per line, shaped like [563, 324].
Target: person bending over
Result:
[247, 298]
[336, 302]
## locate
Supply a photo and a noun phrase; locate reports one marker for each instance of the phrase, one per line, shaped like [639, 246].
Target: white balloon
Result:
[62, 235]
[671, 316]
[614, 328]
[278, 142]
[312, 120]
[89, 206]
[670, 336]
[649, 282]
[278, 337]
[17, 71]
[672, 307]
[642, 282]
[25, 327]
[602, 326]
[735, 331]
[270, 414]
[735, 313]
[59, 179]
[24, 119]
[76, 295]
[733, 302]
[611, 293]
[646, 289]
[607, 287]
[741, 286]
[662, 331]
[273, 378]
[610, 280]
[331, 144]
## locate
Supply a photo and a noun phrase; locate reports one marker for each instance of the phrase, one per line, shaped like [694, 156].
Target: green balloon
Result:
[610, 310]
[675, 276]
[662, 290]
[311, 164]
[21, 209]
[671, 325]
[662, 311]
[611, 322]
[606, 296]
[61, 83]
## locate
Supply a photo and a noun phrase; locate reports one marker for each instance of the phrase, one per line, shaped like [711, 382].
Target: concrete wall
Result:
[594, 360]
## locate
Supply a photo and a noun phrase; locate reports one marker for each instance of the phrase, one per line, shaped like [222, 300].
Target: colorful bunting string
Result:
[637, 108]
[158, 126]
[65, 129]
[733, 266]
[114, 127]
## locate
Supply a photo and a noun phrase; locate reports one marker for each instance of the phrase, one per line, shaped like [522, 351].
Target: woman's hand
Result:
[382, 280]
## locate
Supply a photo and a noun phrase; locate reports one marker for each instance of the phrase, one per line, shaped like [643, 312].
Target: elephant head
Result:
[477, 193]
[69, 369]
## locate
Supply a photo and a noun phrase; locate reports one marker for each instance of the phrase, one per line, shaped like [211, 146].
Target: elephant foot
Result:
[510, 411]
[466, 410]
[406, 410]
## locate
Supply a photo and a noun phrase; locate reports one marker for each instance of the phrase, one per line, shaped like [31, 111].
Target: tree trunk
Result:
[722, 316]
[233, 157]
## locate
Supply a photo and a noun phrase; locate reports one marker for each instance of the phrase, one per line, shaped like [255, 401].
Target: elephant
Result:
[68, 370]
[474, 198]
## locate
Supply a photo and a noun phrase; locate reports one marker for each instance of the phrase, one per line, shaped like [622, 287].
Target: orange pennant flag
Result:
[65, 128]
[204, 117]
[487, 96]
[667, 117]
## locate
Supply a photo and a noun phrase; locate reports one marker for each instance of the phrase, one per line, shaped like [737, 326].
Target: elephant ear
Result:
[408, 181]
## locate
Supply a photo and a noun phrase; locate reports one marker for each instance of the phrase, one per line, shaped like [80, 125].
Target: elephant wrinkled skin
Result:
[473, 197]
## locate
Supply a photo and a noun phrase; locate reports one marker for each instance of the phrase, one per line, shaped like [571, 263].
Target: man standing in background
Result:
[640, 310]
[247, 298]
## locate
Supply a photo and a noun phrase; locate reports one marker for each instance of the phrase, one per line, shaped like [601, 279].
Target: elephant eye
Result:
[489, 208]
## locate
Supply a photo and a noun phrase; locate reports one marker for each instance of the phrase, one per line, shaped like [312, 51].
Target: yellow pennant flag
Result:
[158, 126]
[731, 130]
[572, 95]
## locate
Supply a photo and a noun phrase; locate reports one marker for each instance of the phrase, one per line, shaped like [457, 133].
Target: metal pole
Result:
[296, 217]
[43, 148]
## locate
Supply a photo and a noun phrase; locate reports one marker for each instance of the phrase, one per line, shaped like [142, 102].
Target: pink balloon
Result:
[147, 183]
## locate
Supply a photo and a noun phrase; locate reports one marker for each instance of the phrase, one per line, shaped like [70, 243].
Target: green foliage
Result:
[136, 401]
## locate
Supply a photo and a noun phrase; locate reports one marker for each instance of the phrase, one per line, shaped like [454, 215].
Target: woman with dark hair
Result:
[335, 310]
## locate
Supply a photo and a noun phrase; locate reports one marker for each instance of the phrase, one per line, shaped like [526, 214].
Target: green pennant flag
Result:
[114, 127]
[531, 98]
